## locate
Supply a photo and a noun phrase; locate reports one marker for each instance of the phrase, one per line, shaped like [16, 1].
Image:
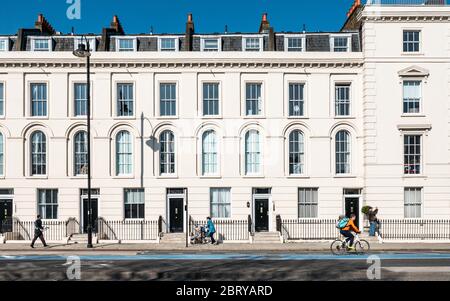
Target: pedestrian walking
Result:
[211, 230]
[373, 220]
[38, 232]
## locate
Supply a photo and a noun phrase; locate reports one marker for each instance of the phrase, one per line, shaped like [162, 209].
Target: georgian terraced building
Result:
[296, 124]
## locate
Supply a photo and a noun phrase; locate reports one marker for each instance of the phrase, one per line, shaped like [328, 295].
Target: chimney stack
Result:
[265, 27]
[43, 25]
[189, 33]
[116, 26]
[355, 5]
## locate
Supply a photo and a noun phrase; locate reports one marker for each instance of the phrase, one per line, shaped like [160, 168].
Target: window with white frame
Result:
[253, 100]
[252, 152]
[80, 99]
[342, 150]
[2, 155]
[38, 99]
[2, 99]
[296, 153]
[166, 153]
[210, 44]
[38, 153]
[134, 203]
[413, 202]
[252, 44]
[167, 44]
[412, 96]
[209, 153]
[411, 40]
[125, 100]
[124, 153]
[80, 154]
[126, 44]
[168, 99]
[412, 154]
[342, 99]
[48, 203]
[307, 202]
[4, 44]
[220, 202]
[210, 99]
[82, 41]
[295, 44]
[340, 44]
[296, 99]
[42, 44]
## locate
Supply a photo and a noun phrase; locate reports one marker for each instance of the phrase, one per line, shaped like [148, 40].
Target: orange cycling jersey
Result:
[351, 226]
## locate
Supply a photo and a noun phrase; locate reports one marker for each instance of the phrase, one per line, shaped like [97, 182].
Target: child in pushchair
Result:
[199, 235]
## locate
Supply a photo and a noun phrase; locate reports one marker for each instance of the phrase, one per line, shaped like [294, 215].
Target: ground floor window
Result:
[220, 202]
[413, 202]
[134, 203]
[307, 202]
[48, 203]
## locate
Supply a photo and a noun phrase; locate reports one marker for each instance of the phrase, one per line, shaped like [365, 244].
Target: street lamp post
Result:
[83, 51]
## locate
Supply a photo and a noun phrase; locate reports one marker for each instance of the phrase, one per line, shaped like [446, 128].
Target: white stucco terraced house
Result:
[299, 125]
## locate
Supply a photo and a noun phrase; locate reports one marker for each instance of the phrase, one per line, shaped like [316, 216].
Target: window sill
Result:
[419, 176]
[37, 118]
[123, 177]
[254, 117]
[167, 177]
[253, 177]
[412, 53]
[297, 176]
[124, 117]
[297, 117]
[344, 117]
[344, 176]
[83, 177]
[166, 117]
[43, 177]
[413, 115]
[210, 177]
[212, 117]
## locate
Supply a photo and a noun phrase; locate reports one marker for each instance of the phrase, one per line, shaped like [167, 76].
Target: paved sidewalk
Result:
[18, 249]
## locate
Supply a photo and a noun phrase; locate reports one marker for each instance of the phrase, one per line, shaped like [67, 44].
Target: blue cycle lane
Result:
[230, 257]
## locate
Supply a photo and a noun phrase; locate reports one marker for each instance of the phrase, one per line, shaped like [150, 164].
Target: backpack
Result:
[342, 223]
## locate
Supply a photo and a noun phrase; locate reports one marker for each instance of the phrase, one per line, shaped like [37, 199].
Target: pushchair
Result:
[199, 235]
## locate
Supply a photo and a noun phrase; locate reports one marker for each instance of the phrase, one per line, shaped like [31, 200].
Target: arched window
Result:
[342, 152]
[167, 153]
[124, 153]
[252, 152]
[80, 153]
[296, 153]
[2, 158]
[209, 153]
[38, 153]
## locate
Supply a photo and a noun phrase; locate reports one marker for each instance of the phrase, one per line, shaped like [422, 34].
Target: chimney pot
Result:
[190, 18]
[264, 17]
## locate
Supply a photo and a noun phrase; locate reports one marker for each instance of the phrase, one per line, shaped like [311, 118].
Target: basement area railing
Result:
[307, 229]
[226, 229]
[415, 229]
[127, 229]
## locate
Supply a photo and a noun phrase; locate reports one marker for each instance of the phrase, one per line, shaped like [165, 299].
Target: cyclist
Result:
[346, 231]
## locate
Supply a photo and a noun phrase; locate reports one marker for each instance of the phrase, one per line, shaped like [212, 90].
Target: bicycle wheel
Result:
[337, 247]
[362, 246]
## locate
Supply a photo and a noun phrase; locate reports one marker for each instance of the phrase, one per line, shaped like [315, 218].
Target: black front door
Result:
[352, 207]
[176, 214]
[261, 215]
[6, 210]
[94, 204]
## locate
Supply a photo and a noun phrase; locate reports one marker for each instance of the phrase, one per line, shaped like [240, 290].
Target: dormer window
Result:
[211, 44]
[4, 44]
[126, 44]
[295, 43]
[41, 44]
[168, 44]
[82, 41]
[340, 44]
[252, 44]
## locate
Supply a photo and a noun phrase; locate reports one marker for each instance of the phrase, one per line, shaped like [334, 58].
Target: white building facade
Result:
[300, 125]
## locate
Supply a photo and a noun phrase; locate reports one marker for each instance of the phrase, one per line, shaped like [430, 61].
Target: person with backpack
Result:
[346, 226]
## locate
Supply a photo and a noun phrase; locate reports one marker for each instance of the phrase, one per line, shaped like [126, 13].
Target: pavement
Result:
[298, 247]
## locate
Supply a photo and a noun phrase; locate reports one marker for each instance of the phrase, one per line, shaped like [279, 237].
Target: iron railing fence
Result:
[408, 2]
[415, 229]
[15, 229]
[226, 229]
[127, 229]
[308, 229]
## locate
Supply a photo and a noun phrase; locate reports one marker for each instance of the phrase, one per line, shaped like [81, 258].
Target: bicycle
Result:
[340, 247]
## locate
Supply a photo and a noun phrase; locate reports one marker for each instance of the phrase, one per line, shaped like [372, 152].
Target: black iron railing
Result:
[127, 229]
[226, 229]
[15, 229]
[308, 229]
[415, 229]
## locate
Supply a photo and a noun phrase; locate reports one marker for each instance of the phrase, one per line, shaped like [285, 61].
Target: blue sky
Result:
[169, 16]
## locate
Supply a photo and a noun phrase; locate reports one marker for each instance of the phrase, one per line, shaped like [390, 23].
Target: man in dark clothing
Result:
[373, 220]
[38, 228]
